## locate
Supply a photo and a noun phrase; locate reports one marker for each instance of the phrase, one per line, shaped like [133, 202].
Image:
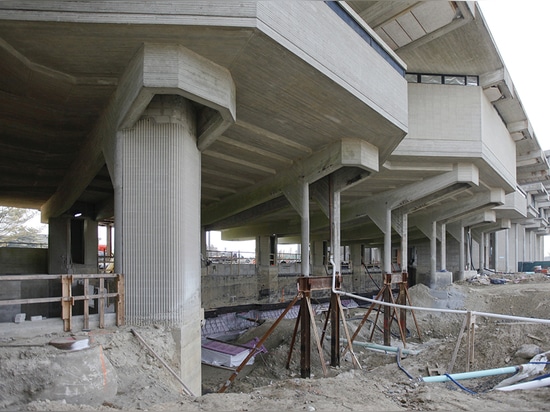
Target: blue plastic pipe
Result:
[471, 375]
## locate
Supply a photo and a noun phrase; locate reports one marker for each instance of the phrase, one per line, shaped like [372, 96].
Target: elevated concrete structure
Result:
[365, 124]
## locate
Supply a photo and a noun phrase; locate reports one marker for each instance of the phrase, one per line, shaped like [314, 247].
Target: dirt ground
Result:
[386, 381]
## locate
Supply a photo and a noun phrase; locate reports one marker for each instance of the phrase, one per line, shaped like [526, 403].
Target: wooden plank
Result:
[86, 320]
[101, 303]
[120, 317]
[29, 301]
[67, 302]
[30, 277]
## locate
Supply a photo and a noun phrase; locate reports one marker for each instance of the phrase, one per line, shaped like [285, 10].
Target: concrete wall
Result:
[22, 261]
[232, 290]
[444, 121]
[499, 149]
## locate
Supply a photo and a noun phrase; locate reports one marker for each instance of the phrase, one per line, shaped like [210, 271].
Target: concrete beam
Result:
[459, 210]
[356, 154]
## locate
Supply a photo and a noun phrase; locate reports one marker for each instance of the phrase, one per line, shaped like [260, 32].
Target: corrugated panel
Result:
[161, 196]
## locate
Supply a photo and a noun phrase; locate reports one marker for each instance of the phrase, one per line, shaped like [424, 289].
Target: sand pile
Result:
[386, 381]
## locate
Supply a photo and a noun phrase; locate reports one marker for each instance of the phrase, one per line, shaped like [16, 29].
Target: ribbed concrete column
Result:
[482, 253]
[387, 242]
[158, 224]
[305, 229]
[461, 254]
[443, 247]
[507, 250]
[433, 250]
[404, 243]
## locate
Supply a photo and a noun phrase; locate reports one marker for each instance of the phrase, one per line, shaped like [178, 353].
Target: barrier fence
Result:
[67, 299]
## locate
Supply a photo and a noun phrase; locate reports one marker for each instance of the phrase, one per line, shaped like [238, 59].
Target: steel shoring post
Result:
[258, 345]
[387, 310]
[305, 338]
[293, 340]
[335, 331]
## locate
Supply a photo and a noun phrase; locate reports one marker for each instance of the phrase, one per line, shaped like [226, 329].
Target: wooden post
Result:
[120, 316]
[86, 320]
[101, 303]
[66, 301]
[470, 336]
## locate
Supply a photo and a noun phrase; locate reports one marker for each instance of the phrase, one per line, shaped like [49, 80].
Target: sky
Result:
[520, 31]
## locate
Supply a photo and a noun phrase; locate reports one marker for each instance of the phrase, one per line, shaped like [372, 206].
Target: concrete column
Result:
[404, 243]
[507, 250]
[387, 242]
[482, 253]
[461, 263]
[433, 250]
[443, 247]
[266, 262]
[158, 224]
[335, 231]
[524, 257]
[358, 276]
[468, 251]
[305, 229]
[318, 250]
[516, 245]
[72, 248]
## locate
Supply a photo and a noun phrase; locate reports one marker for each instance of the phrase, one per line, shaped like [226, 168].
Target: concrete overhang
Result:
[348, 156]
[278, 98]
[515, 205]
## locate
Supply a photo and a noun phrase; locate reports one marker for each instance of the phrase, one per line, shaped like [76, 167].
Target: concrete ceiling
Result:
[56, 78]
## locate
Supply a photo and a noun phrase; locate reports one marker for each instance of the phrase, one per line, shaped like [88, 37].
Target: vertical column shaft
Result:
[433, 250]
[387, 242]
[158, 224]
[443, 247]
[305, 228]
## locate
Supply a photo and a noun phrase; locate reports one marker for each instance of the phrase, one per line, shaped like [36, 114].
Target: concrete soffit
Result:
[415, 196]
[174, 69]
[351, 161]
[155, 69]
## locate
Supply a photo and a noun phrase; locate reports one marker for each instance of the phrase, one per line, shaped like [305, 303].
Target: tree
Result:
[13, 224]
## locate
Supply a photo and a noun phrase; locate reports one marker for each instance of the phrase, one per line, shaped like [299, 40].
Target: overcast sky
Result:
[521, 33]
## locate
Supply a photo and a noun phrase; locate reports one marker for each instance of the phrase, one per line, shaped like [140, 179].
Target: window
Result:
[449, 79]
[77, 241]
[459, 80]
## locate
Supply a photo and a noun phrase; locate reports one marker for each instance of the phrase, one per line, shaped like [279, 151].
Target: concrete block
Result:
[20, 317]
[441, 280]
